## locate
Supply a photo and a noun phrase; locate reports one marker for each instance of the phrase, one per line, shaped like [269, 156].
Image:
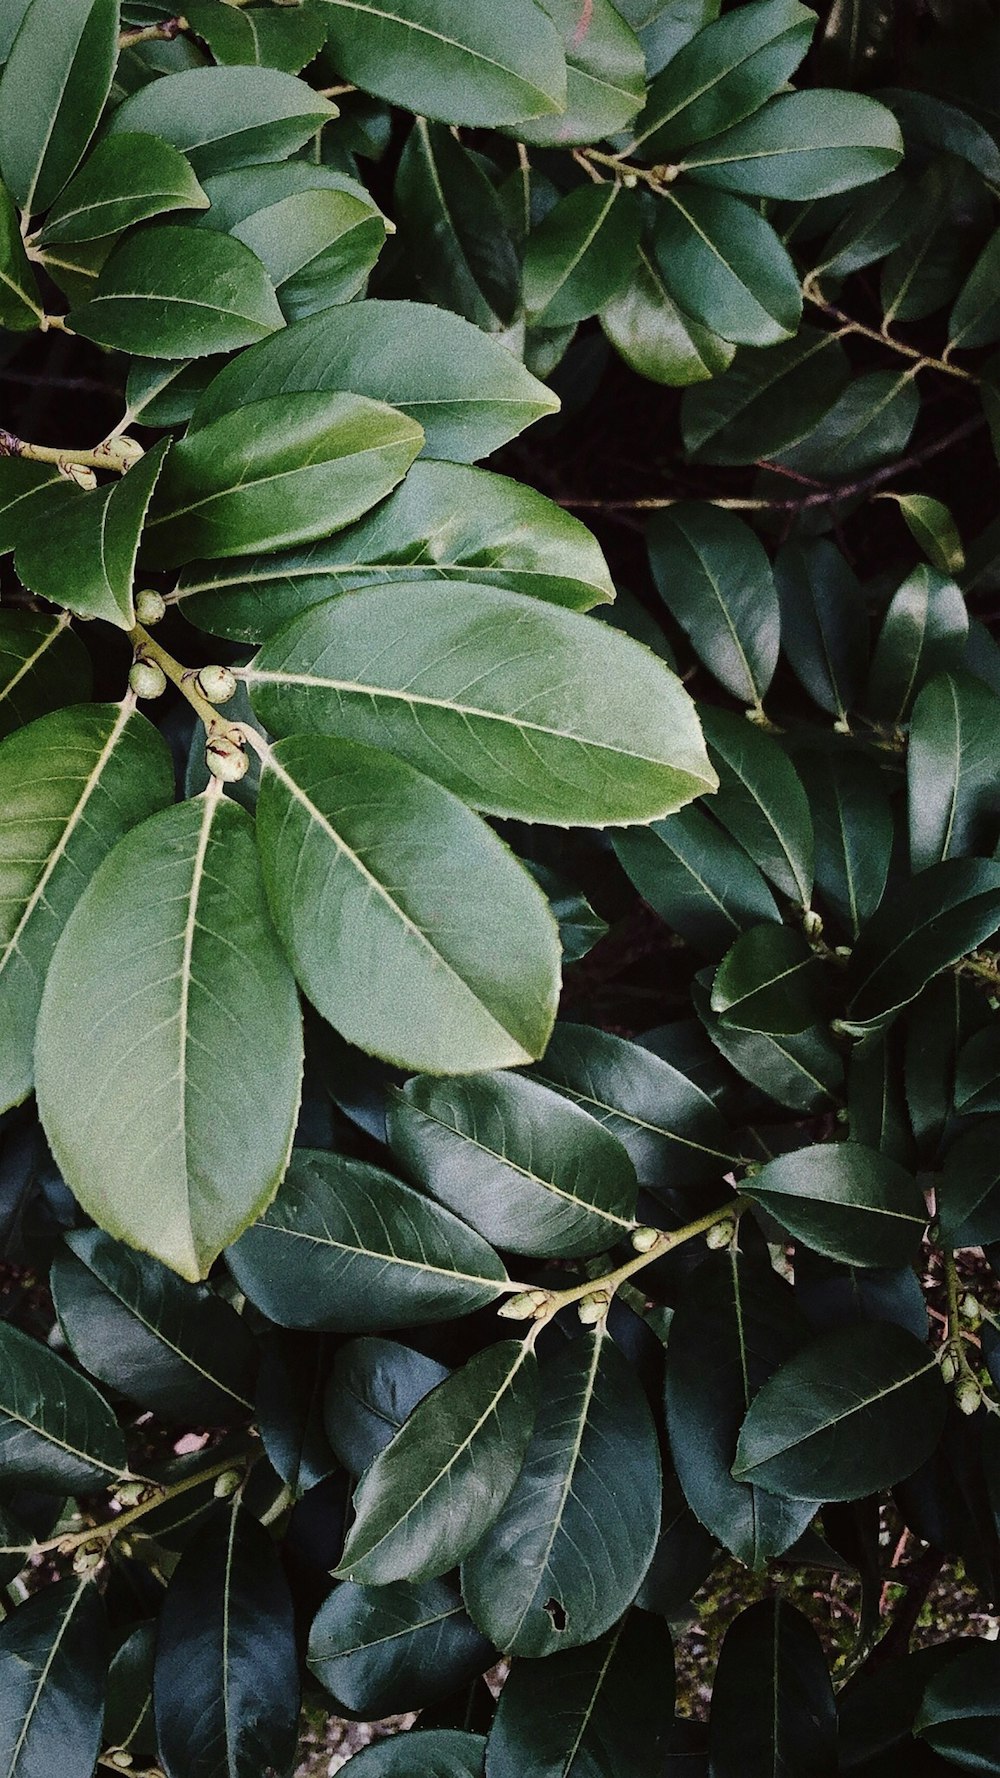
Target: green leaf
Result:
[581, 254]
[20, 301]
[696, 878]
[761, 801]
[454, 230]
[176, 1348]
[128, 1714]
[346, 1246]
[803, 1071]
[611, 736]
[669, 1126]
[968, 1203]
[605, 75]
[71, 784]
[430, 1495]
[933, 529]
[466, 391]
[951, 769]
[445, 522]
[934, 920]
[724, 73]
[442, 1753]
[854, 1412]
[563, 1561]
[175, 292]
[802, 145]
[26, 488]
[604, 1708]
[722, 262]
[772, 1702]
[975, 318]
[53, 1673]
[874, 224]
[958, 1712]
[766, 400]
[455, 63]
[43, 665]
[382, 1650]
[226, 1685]
[80, 550]
[655, 337]
[977, 1072]
[317, 233]
[923, 632]
[532, 1172]
[126, 180]
[258, 35]
[853, 824]
[56, 1432]
[947, 1014]
[844, 1200]
[453, 958]
[867, 426]
[225, 117]
[770, 980]
[10, 24]
[714, 577]
[57, 78]
[279, 471]
[373, 1386]
[290, 1390]
[824, 625]
[166, 1139]
[735, 1323]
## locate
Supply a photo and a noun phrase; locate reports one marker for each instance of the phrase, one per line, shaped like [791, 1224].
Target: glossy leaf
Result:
[722, 262]
[968, 1202]
[71, 784]
[824, 627]
[168, 959]
[466, 391]
[923, 632]
[26, 488]
[348, 1247]
[226, 1682]
[56, 1432]
[844, 1200]
[174, 1347]
[853, 827]
[714, 577]
[290, 1391]
[852, 1413]
[975, 318]
[605, 75]
[374, 1384]
[761, 802]
[770, 980]
[20, 301]
[958, 1712]
[951, 769]
[933, 529]
[441, 1753]
[53, 1671]
[446, 955]
[772, 1702]
[380, 1650]
[57, 77]
[801, 145]
[430, 1495]
[765, 400]
[43, 665]
[614, 741]
[317, 247]
[802, 1070]
[726, 72]
[697, 878]
[453, 229]
[655, 337]
[280, 471]
[225, 117]
[936, 918]
[127, 179]
[977, 1073]
[449, 61]
[581, 254]
[174, 292]
[531, 1171]
[867, 426]
[444, 522]
[569, 1549]
[258, 35]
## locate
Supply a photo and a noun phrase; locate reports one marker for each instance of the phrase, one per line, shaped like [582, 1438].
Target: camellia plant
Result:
[366, 1327]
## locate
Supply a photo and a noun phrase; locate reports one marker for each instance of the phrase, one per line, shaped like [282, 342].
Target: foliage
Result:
[288, 1117]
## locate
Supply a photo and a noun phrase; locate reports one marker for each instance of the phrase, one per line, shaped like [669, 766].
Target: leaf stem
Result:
[109, 1530]
[148, 649]
[164, 32]
[115, 454]
[609, 1283]
[923, 361]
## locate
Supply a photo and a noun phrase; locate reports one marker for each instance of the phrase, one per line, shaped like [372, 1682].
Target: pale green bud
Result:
[968, 1396]
[970, 1307]
[226, 761]
[120, 1757]
[720, 1234]
[149, 606]
[593, 1308]
[520, 1307]
[226, 1484]
[949, 1365]
[88, 1558]
[812, 924]
[643, 1240]
[147, 679]
[131, 1493]
[216, 684]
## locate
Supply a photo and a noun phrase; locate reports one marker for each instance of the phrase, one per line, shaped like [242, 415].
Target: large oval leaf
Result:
[467, 391]
[723, 263]
[346, 1246]
[713, 574]
[43, 665]
[437, 1487]
[56, 1432]
[773, 1707]
[126, 180]
[373, 1386]
[951, 787]
[225, 117]
[824, 625]
[936, 918]
[852, 1413]
[844, 1200]
[57, 78]
[53, 1673]
[71, 784]
[381, 1650]
[533, 1172]
[279, 471]
[409, 924]
[569, 1550]
[169, 1049]
[519, 708]
[581, 253]
[802, 145]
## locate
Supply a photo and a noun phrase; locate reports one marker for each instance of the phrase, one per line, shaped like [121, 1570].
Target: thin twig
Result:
[165, 32]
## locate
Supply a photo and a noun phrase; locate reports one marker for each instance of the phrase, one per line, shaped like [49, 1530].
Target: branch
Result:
[814, 295]
[165, 32]
[118, 454]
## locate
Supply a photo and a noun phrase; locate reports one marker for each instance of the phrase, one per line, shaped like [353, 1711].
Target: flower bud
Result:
[131, 1493]
[970, 1307]
[720, 1234]
[521, 1307]
[80, 474]
[593, 1308]
[147, 679]
[812, 924]
[968, 1396]
[225, 760]
[949, 1365]
[149, 606]
[88, 1558]
[122, 451]
[216, 684]
[120, 1757]
[226, 1484]
[643, 1240]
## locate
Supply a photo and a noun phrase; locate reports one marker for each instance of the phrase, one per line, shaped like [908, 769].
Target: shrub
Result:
[298, 704]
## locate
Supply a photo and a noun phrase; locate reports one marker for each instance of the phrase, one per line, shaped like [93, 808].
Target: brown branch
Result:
[165, 32]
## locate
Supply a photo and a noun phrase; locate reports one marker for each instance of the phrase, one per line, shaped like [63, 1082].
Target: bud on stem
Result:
[147, 679]
[593, 1308]
[225, 760]
[217, 684]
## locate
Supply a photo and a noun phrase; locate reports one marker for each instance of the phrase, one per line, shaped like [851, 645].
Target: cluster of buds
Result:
[87, 1558]
[527, 1305]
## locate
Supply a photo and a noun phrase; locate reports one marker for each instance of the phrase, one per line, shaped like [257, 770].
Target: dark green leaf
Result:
[290, 1392]
[53, 1671]
[770, 980]
[581, 254]
[317, 245]
[568, 1552]
[959, 1711]
[928, 267]
[844, 1200]
[876, 1100]
[697, 878]
[933, 530]
[453, 229]
[803, 1071]
[824, 626]
[852, 820]
[128, 1714]
[531, 1171]
[226, 1684]
[71, 784]
[168, 956]
[945, 1016]
[605, 75]
[20, 302]
[772, 1704]
[977, 1073]
[346, 1246]
[127, 179]
[875, 223]
[655, 337]
[432, 1493]
[177, 1348]
[434, 1753]
[722, 262]
[975, 318]
[612, 735]
[380, 1650]
[766, 400]
[225, 117]
[43, 665]
[57, 77]
[924, 632]
[714, 577]
[867, 426]
[802, 145]
[761, 802]
[373, 1386]
[968, 1201]
[26, 488]
[56, 1432]
[951, 769]
[936, 918]
[258, 35]
[852, 1413]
